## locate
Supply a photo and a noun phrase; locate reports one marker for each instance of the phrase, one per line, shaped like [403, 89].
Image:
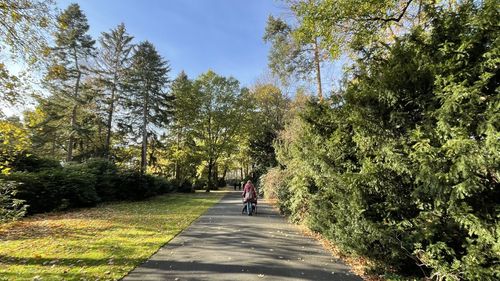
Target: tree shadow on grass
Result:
[8, 260]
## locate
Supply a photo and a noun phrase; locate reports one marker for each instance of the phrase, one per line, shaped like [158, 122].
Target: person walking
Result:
[249, 197]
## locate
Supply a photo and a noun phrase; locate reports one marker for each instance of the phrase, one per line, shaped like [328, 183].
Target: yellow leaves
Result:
[63, 24]
[4, 170]
[108, 240]
[46, 51]
[33, 118]
[13, 136]
[43, 22]
[10, 85]
[13, 140]
[15, 16]
[57, 72]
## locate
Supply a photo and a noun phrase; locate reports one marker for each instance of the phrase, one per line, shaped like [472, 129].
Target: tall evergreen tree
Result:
[113, 61]
[147, 102]
[64, 77]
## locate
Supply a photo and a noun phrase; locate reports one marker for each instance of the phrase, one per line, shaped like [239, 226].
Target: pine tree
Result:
[293, 55]
[113, 62]
[73, 47]
[147, 101]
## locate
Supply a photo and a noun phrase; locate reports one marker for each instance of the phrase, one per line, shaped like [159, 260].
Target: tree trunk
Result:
[224, 173]
[177, 166]
[215, 174]
[53, 148]
[210, 153]
[144, 134]
[71, 139]
[210, 172]
[110, 118]
[176, 170]
[318, 69]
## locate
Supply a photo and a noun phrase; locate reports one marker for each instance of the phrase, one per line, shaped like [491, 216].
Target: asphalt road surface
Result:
[223, 244]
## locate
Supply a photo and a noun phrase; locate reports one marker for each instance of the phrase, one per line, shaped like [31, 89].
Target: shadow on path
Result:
[223, 244]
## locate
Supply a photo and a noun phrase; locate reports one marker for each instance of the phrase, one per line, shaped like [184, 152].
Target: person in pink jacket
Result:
[249, 197]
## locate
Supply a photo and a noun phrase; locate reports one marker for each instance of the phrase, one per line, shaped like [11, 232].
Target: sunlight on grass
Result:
[102, 243]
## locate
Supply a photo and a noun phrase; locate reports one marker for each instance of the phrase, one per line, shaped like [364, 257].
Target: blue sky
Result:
[193, 35]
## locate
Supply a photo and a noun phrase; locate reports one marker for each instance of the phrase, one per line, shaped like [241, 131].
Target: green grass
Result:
[102, 243]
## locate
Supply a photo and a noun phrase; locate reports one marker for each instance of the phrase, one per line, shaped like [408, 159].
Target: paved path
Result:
[225, 245]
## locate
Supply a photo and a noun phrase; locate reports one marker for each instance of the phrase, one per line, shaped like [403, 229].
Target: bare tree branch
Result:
[393, 18]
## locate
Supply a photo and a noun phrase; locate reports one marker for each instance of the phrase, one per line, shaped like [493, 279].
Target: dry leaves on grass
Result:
[108, 240]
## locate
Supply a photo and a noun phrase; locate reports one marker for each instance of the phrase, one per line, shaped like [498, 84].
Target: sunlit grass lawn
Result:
[102, 243]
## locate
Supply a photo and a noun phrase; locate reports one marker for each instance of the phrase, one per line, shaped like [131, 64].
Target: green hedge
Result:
[55, 189]
[45, 187]
[403, 167]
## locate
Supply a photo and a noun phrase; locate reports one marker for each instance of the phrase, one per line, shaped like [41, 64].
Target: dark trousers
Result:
[246, 206]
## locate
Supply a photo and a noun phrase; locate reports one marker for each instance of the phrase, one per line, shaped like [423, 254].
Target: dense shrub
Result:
[184, 186]
[134, 186]
[27, 162]
[221, 182]
[43, 185]
[10, 207]
[403, 167]
[165, 186]
[55, 189]
[275, 185]
[107, 178]
[199, 184]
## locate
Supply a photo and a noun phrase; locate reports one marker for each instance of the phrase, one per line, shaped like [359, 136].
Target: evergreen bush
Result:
[38, 185]
[55, 189]
[107, 178]
[403, 167]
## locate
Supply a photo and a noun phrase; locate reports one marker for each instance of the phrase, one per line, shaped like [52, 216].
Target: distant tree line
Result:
[109, 122]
